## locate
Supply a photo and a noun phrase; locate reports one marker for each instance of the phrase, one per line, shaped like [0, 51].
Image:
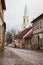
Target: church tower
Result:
[25, 19]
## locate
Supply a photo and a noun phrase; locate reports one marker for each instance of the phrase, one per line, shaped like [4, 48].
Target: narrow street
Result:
[31, 56]
[12, 56]
[9, 58]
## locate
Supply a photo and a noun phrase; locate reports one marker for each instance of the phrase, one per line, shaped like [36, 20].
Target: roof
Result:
[40, 16]
[25, 12]
[28, 34]
[22, 33]
[3, 4]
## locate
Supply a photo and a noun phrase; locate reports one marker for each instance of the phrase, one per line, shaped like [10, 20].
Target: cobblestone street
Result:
[12, 56]
[33, 57]
[9, 58]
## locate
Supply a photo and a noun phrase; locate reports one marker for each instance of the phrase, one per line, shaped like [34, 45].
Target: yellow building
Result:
[2, 23]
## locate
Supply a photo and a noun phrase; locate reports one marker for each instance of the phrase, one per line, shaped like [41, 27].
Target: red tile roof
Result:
[22, 33]
[28, 34]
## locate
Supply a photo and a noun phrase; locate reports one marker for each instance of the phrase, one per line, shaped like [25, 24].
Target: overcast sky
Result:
[15, 11]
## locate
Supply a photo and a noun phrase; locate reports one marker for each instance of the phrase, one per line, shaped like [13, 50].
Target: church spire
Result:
[25, 11]
[25, 19]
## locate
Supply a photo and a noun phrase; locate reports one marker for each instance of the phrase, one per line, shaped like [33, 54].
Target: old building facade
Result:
[23, 38]
[38, 31]
[2, 23]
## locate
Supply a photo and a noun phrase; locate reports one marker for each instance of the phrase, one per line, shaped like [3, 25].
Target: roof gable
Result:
[40, 16]
[22, 33]
[28, 34]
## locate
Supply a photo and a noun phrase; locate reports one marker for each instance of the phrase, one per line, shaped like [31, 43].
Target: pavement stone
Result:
[32, 57]
[7, 57]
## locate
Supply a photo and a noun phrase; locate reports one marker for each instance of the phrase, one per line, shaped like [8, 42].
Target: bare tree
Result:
[10, 36]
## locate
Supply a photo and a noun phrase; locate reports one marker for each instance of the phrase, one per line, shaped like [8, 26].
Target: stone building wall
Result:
[34, 42]
[2, 27]
[27, 43]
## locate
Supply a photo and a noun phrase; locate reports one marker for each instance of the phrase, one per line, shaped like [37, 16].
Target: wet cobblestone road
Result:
[9, 58]
[34, 57]
[12, 56]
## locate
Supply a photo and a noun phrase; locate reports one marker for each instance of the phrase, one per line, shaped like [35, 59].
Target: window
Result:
[35, 26]
[24, 20]
[40, 24]
[24, 26]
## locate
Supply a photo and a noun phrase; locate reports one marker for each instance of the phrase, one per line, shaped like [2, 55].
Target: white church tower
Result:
[25, 19]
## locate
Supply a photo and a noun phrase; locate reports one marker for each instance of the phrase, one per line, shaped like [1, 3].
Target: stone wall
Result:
[34, 42]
